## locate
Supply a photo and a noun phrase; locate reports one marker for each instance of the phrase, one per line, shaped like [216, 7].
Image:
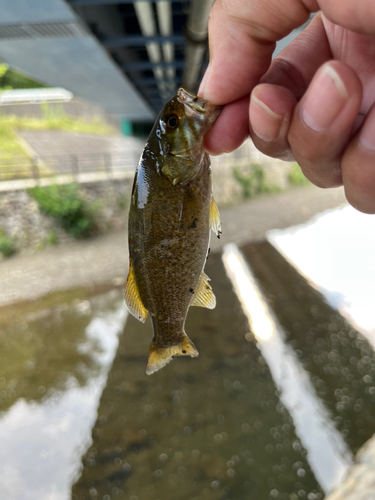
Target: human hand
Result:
[313, 103]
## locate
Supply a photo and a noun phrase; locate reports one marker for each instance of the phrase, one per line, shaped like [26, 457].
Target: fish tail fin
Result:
[159, 356]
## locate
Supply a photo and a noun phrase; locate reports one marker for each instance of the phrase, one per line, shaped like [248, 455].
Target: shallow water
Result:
[80, 419]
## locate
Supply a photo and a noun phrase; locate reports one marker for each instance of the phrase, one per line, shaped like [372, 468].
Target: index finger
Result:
[243, 36]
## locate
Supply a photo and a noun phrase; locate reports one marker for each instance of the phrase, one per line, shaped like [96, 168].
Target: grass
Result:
[65, 203]
[254, 183]
[11, 150]
[56, 119]
[7, 244]
[10, 147]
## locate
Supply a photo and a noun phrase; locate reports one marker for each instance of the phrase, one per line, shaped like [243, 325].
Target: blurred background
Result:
[280, 403]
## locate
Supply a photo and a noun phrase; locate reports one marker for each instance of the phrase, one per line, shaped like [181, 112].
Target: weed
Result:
[253, 183]
[7, 244]
[64, 203]
[11, 150]
[51, 238]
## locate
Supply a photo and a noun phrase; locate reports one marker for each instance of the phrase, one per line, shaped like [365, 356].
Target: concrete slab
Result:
[67, 152]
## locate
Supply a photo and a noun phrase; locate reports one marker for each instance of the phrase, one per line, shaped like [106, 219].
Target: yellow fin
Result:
[203, 294]
[215, 223]
[132, 298]
[160, 356]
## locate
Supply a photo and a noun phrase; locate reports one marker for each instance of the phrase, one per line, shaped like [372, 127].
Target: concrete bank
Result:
[30, 228]
[104, 259]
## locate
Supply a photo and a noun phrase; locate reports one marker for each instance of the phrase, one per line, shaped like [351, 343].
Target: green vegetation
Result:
[7, 244]
[48, 240]
[54, 118]
[51, 238]
[64, 203]
[10, 147]
[10, 79]
[123, 202]
[254, 183]
[296, 177]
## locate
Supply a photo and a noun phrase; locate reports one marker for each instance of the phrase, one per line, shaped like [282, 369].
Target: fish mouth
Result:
[198, 106]
[191, 100]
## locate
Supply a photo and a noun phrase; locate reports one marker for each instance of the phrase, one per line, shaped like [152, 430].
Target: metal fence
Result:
[69, 164]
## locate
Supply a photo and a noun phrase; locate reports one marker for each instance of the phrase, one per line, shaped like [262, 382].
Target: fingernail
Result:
[265, 123]
[325, 100]
[367, 134]
[203, 82]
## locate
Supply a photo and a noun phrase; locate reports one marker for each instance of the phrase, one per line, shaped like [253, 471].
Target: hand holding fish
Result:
[313, 103]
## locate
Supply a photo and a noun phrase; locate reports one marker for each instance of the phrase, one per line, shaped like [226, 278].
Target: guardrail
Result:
[69, 164]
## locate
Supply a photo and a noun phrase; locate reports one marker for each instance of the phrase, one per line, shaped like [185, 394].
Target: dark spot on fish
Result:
[183, 352]
[191, 290]
[195, 99]
[193, 226]
[209, 250]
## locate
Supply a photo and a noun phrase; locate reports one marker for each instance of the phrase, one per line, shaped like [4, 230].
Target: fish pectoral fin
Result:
[132, 298]
[159, 356]
[203, 294]
[215, 223]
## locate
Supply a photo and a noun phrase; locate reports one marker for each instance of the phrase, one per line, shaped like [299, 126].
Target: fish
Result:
[172, 210]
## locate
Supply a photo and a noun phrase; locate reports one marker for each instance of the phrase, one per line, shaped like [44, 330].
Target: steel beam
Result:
[150, 81]
[148, 65]
[139, 40]
[116, 2]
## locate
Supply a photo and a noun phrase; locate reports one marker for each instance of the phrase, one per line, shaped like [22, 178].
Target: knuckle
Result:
[284, 72]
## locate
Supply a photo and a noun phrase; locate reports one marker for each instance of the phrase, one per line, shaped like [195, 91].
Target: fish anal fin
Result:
[159, 356]
[215, 223]
[203, 294]
[132, 298]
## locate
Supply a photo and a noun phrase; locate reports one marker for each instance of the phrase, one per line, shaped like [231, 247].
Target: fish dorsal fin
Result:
[159, 356]
[215, 223]
[203, 294]
[132, 297]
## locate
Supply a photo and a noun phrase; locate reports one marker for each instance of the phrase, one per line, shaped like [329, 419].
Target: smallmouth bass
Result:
[171, 213]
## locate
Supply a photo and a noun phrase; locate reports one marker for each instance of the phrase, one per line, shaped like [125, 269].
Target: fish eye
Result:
[172, 122]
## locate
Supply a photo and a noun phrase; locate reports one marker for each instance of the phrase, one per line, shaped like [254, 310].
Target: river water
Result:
[257, 415]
